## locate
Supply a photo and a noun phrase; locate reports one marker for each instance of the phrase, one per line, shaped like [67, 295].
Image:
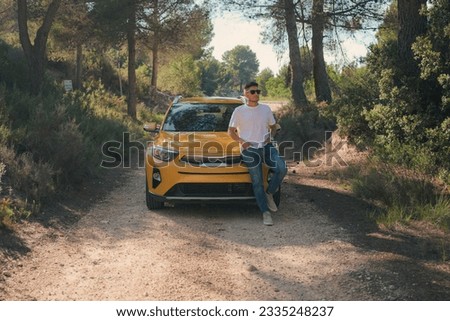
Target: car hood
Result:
[199, 143]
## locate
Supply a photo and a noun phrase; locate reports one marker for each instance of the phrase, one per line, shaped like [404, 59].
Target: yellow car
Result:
[193, 159]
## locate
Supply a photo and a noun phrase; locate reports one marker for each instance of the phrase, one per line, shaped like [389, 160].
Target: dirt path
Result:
[321, 247]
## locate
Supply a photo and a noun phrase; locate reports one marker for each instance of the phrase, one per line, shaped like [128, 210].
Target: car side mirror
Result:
[151, 127]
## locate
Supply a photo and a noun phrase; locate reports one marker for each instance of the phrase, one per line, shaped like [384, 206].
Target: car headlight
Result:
[163, 154]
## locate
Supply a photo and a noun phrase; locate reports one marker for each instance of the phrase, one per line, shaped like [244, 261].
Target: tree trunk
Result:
[35, 54]
[321, 84]
[298, 92]
[411, 25]
[131, 37]
[79, 62]
[155, 47]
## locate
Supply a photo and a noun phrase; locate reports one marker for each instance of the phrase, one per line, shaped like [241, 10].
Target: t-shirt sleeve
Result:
[233, 120]
[271, 117]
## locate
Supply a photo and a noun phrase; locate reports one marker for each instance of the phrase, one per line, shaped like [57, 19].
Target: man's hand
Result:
[274, 129]
[246, 145]
[233, 134]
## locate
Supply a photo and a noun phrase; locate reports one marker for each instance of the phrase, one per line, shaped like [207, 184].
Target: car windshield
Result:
[199, 117]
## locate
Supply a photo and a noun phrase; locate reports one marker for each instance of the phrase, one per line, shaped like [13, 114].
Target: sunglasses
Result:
[257, 91]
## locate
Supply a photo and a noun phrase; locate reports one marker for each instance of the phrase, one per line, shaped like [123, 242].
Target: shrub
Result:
[54, 139]
[5, 203]
[402, 195]
[143, 77]
[56, 142]
[2, 172]
[356, 94]
[182, 76]
[34, 179]
[437, 213]
[305, 130]
[13, 67]
[276, 88]
[6, 211]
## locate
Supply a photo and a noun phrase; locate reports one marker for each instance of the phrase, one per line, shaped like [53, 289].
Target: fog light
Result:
[156, 177]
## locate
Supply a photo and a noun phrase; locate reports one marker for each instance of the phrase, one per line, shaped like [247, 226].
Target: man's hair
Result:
[251, 84]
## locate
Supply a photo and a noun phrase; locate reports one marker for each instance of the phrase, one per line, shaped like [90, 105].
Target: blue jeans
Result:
[253, 158]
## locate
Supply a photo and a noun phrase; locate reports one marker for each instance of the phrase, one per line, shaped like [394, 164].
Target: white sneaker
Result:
[267, 218]
[271, 203]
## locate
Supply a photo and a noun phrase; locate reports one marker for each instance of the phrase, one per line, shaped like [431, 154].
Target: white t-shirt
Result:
[252, 123]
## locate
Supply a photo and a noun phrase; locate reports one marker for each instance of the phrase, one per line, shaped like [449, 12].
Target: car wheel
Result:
[152, 203]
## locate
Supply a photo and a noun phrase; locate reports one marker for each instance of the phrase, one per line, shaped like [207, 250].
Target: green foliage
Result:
[143, 77]
[33, 178]
[437, 213]
[13, 68]
[56, 139]
[99, 65]
[110, 18]
[241, 63]
[356, 94]
[57, 142]
[210, 74]
[381, 182]
[303, 129]
[276, 87]
[182, 77]
[6, 211]
[403, 119]
[405, 132]
[2, 172]
[262, 79]
[402, 195]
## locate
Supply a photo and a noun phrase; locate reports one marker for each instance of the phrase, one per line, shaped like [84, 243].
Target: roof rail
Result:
[177, 99]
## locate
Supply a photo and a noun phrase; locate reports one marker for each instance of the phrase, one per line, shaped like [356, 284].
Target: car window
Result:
[199, 117]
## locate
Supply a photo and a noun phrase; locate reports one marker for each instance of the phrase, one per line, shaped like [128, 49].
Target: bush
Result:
[356, 94]
[5, 203]
[402, 195]
[305, 130]
[143, 78]
[2, 172]
[34, 179]
[405, 134]
[182, 77]
[55, 141]
[276, 88]
[13, 67]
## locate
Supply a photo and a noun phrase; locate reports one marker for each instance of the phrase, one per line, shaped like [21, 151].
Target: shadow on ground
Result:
[410, 264]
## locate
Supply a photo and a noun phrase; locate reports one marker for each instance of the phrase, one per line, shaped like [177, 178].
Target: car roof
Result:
[210, 100]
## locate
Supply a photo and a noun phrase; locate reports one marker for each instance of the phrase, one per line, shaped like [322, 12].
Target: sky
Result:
[231, 30]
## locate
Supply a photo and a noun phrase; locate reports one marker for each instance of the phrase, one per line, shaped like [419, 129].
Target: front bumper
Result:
[178, 181]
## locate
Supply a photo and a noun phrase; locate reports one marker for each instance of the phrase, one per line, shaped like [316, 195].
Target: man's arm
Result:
[274, 129]
[232, 131]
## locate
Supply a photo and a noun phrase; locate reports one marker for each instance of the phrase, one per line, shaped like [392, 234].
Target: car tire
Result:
[152, 203]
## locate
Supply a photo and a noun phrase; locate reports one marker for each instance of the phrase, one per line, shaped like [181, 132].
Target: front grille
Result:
[211, 190]
[211, 161]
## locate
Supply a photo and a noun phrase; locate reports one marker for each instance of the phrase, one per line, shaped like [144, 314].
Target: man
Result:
[252, 125]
